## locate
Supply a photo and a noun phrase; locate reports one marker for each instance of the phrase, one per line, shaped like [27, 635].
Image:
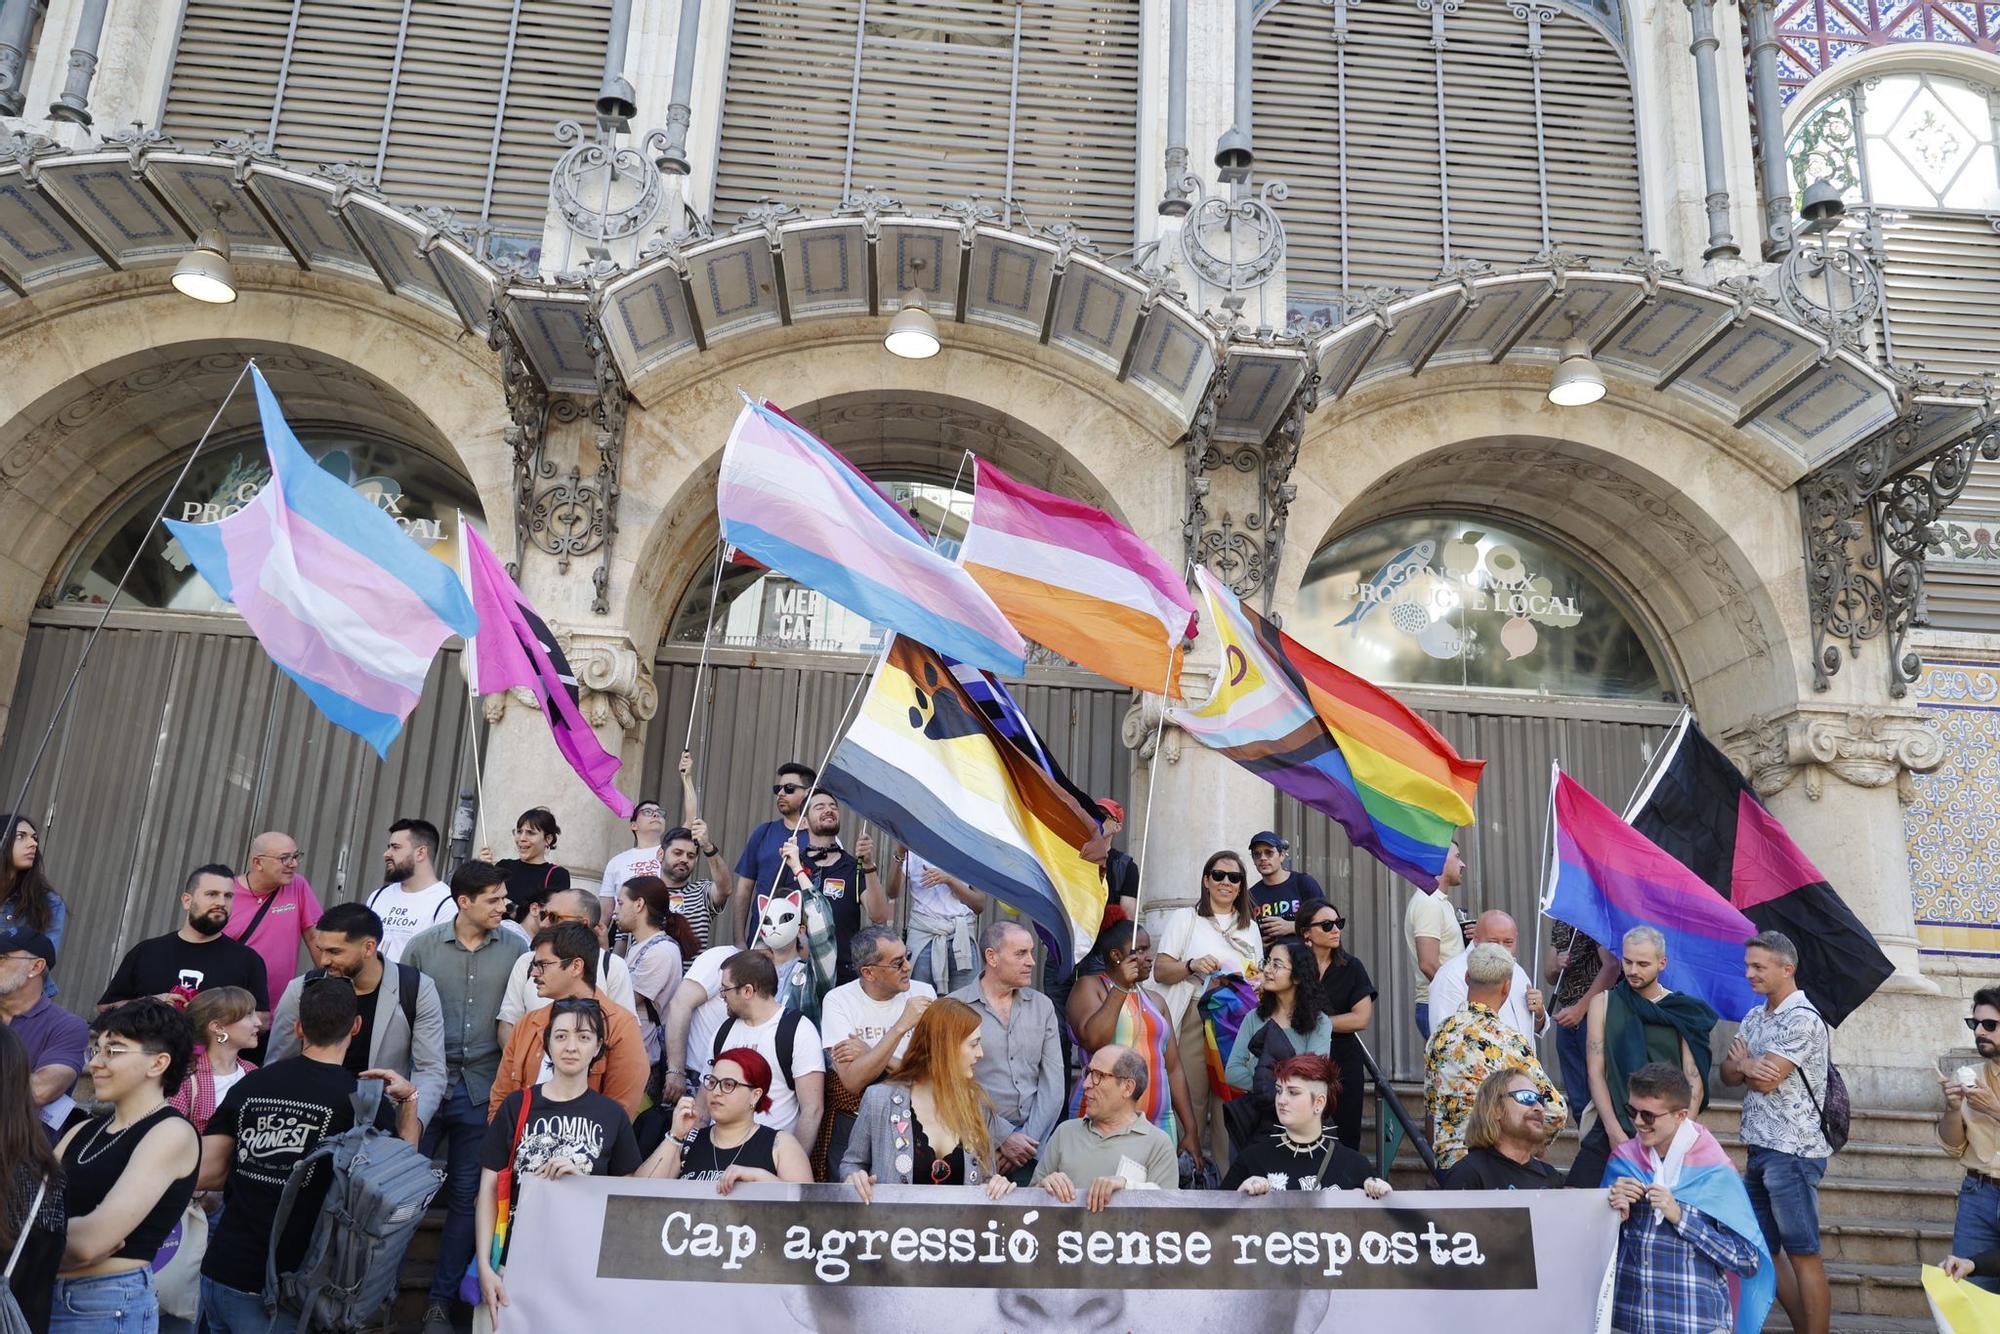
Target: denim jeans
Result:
[956, 977]
[1424, 1019]
[227, 1311]
[1572, 1046]
[106, 1304]
[1784, 1194]
[460, 1125]
[1977, 1227]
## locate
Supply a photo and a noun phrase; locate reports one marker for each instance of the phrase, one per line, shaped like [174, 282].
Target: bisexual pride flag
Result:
[790, 502]
[1606, 878]
[339, 596]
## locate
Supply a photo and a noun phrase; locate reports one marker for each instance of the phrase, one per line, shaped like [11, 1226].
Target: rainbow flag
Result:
[1074, 579]
[789, 501]
[1340, 745]
[1606, 878]
[339, 596]
[925, 762]
[1707, 1181]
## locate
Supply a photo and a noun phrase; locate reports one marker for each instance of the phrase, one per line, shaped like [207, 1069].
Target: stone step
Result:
[1888, 1241]
[1870, 1161]
[1878, 1290]
[1848, 1322]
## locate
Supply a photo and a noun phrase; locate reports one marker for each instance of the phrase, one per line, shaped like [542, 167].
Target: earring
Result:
[222, 1039]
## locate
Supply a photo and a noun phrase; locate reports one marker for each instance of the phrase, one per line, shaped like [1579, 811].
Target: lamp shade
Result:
[204, 273]
[1577, 380]
[913, 333]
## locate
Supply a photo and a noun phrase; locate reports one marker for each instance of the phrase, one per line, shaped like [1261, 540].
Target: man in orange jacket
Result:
[565, 966]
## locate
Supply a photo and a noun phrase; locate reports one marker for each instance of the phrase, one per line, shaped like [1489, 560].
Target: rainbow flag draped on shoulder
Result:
[338, 595]
[1701, 1176]
[789, 501]
[926, 762]
[1342, 746]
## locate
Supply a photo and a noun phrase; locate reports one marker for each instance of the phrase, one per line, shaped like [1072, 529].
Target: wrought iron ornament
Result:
[605, 190]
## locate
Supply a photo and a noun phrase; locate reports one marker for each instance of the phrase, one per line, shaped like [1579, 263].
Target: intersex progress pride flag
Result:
[1074, 579]
[1607, 877]
[339, 596]
[791, 503]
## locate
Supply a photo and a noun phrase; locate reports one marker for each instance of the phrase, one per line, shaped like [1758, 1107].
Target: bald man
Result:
[275, 910]
[1523, 1012]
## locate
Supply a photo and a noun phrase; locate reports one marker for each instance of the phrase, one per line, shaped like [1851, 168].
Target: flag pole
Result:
[708, 633]
[469, 660]
[1548, 867]
[138, 550]
[1152, 769]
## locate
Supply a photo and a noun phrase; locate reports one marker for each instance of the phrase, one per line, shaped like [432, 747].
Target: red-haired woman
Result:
[732, 1147]
[929, 1123]
[1303, 1153]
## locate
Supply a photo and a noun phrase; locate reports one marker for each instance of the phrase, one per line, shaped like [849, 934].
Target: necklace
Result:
[1299, 1150]
[101, 1141]
[715, 1148]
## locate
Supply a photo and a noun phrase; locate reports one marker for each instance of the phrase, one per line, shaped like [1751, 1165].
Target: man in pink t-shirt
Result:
[274, 896]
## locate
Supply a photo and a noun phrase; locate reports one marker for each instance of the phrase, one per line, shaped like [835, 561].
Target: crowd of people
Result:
[521, 1024]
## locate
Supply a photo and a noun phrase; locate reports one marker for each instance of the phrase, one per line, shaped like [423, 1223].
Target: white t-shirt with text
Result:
[405, 911]
[849, 1012]
[807, 1059]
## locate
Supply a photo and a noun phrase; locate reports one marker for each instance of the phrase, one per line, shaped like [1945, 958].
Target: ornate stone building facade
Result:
[1283, 283]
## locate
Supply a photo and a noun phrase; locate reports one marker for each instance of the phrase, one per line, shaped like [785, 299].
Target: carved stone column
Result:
[1837, 778]
[523, 768]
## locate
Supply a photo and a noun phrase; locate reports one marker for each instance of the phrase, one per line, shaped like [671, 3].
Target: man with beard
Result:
[834, 885]
[1505, 1137]
[758, 867]
[411, 898]
[1636, 1023]
[199, 956]
[1970, 1132]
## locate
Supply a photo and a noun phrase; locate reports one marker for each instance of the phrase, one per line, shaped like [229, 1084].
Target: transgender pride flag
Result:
[339, 596]
[1607, 878]
[791, 503]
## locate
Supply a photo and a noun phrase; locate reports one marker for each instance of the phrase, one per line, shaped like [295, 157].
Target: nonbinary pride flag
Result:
[786, 499]
[339, 596]
[514, 647]
[1074, 579]
[925, 762]
[1341, 745]
[1606, 878]
[1701, 809]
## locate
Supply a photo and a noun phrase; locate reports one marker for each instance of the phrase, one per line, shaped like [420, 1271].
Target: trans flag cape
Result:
[339, 596]
[1707, 1181]
[790, 502]
[1606, 878]
[1342, 746]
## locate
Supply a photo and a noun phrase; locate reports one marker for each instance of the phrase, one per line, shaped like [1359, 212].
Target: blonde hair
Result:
[1482, 1130]
[932, 1059]
[218, 1006]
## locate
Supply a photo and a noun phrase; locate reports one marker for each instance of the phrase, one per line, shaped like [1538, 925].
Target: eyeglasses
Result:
[1642, 1118]
[1528, 1097]
[1092, 1075]
[725, 1087]
[563, 918]
[786, 789]
[1226, 877]
[901, 961]
[1983, 1025]
[1326, 924]
[108, 1052]
[537, 965]
[640, 813]
[292, 858]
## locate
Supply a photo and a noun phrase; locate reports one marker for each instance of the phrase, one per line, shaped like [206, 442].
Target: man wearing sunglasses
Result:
[1970, 1132]
[1509, 1126]
[762, 860]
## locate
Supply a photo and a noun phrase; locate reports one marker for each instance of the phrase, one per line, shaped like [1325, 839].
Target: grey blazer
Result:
[417, 1056]
[874, 1146]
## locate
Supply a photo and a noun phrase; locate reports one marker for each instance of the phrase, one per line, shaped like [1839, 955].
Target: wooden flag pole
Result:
[138, 550]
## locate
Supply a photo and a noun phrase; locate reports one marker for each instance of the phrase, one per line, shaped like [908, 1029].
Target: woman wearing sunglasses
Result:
[1348, 995]
[1205, 975]
[1301, 1153]
[1508, 1129]
[560, 1127]
[929, 1123]
[732, 1147]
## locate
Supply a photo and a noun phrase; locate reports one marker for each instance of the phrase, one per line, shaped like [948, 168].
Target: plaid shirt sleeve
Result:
[1720, 1244]
[1671, 1280]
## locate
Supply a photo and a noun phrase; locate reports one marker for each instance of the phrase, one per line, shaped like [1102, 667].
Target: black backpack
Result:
[788, 1032]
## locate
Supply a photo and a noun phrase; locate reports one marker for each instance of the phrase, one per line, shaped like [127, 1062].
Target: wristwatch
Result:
[709, 851]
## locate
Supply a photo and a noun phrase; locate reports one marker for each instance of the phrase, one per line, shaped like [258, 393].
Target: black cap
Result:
[16, 939]
[1272, 839]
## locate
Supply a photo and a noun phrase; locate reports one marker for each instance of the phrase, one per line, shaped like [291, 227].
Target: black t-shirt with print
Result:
[590, 1130]
[1288, 1165]
[839, 880]
[369, 1006]
[277, 1115]
[702, 1161]
[1490, 1169]
[529, 883]
[1285, 898]
[154, 967]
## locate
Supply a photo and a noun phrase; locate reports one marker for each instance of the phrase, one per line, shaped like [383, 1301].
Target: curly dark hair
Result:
[158, 1028]
[1308, 1002]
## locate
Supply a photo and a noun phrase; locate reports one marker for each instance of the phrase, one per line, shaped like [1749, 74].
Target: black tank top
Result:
[96, 1159]
[702, 1161]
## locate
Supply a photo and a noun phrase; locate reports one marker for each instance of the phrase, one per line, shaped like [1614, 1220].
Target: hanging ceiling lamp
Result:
[205, 272]
[913, 333]
[1577, 381]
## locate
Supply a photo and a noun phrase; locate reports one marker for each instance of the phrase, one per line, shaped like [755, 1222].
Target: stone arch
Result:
[1702, 539]
[118, 378]
[1033, 412]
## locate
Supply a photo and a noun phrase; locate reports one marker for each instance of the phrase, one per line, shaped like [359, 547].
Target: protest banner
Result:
[605, 1252]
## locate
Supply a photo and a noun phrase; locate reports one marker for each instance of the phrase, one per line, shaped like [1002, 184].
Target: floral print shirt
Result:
[1465, 1048]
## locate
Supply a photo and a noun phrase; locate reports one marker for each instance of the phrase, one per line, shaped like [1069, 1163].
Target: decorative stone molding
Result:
[1864, 747]
[1145, 732]
[614, 681]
